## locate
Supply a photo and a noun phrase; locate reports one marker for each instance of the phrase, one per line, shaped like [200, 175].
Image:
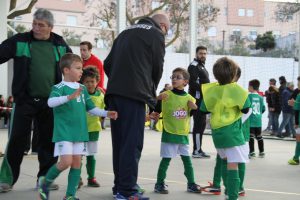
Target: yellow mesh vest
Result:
[93, 122]
[176, 114]
[224, 102]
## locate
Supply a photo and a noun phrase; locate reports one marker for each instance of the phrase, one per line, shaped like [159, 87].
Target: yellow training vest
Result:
[224, 102]
[93, 122]
[176, 114]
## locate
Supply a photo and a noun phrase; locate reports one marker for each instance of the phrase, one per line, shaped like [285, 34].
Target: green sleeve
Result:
[203, 107]
[55, 92]
[247, 103]
[297, 103]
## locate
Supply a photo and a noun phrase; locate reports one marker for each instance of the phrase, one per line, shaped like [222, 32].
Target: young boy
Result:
[220, 169]
[226, 101]
[258, 108]
[175, 106]
[90, 79]
[70, 101]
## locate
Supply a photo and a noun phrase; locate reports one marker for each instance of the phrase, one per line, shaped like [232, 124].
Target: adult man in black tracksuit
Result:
[36, 57]
[134, 68]
[198, 76]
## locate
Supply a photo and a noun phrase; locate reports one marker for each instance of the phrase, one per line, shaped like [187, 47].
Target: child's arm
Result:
[103, 113]
[245, 116]
[192, 105]
[57, 101]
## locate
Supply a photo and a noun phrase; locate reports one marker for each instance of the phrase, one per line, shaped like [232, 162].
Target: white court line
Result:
[183, 183]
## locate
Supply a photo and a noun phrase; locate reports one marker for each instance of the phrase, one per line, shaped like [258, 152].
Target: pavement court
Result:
[269, 178]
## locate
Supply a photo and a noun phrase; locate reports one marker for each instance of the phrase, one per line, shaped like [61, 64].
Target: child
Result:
[296, 104]
[90, 78]
[175, 106]
[70, 101]
[226, 101]
[258, 107]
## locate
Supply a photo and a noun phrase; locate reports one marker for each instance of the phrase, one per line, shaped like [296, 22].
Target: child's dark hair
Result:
[183, 71]
[254, 84]
[238, 73]
[90, 71]
[67, 60]
[224, 70]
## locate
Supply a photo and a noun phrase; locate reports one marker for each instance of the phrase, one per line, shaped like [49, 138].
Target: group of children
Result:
[236, 119]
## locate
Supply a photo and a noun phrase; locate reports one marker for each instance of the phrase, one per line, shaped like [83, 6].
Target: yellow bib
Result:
[93, 122]
[176, 114]
[224, 102]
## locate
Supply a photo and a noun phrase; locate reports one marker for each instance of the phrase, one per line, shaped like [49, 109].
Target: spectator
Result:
[36, 70]
[199, 76]
[274, 108]
[90, 59]
[136, 60]
[3, 109]
[287, 112]
[272, 81]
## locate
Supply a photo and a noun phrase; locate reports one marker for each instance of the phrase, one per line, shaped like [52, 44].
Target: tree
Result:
[71, 38]
[265, 41]
[13, 4]
[285, 11]
[19, 28]
[136, 10]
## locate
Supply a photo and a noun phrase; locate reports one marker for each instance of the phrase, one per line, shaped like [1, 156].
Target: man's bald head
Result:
[163, 21]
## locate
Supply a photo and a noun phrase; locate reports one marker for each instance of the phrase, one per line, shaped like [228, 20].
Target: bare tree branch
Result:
[285, 11]
[21, 12]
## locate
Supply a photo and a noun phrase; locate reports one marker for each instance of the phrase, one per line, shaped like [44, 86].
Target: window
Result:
[236, 32]
[71, 20]
[252, 35]
[241, 12]
[225, 11]
[212, 31]
[250, 13]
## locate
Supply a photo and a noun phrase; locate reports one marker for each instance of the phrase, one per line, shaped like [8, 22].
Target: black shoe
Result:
[204, 155]
[161, 188]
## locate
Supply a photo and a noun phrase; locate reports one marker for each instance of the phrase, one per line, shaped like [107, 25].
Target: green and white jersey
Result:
[70, 123]
[258, 107]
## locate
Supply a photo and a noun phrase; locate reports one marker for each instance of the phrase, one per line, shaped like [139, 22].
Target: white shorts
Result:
[92, 148]
[69, 148]
[170, 150]
[238, 154]
[297, 131]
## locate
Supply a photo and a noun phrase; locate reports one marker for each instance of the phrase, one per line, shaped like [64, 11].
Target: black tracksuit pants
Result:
[127, 140]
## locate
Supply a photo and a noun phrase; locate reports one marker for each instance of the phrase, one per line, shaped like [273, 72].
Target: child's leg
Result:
[297, 149]
[242, 170]
[90, 166]
[217, 172]
[162, 170]
[224, 172]
[74, 176]
[260, 140]
[251, 140]
[233, 181]
[188, 169]
[64, 162]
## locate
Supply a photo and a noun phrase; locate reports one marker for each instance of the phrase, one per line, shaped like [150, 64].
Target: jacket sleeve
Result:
[193, 85]
[158, 54]
[7, 49]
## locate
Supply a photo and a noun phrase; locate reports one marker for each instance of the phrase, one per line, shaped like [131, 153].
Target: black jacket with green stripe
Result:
[18, 49]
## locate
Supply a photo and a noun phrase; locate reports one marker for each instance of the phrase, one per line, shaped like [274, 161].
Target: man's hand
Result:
[112, 115]
[291, 102]
[75, 94]
[154, 116]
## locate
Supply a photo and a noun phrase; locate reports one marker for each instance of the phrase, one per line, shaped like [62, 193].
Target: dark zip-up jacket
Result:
[18, 49]
[198, 76]
[134, 65]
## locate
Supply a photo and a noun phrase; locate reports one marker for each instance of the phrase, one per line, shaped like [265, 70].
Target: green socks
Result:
[52, 174]
[224, 172]
[188, 169]
[162, 170]
[73, 180]
[217, 172]
[297, 151]
[90, 166]
[233, 184]
[242, 170]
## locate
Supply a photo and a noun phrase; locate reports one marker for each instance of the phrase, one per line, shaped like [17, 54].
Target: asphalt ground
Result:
[269, 178]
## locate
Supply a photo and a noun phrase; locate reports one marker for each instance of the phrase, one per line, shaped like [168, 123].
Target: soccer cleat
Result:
[261, 154]
[194, 188]
[211, 189]
[5, 187]
[161, 188]
[93, 183]
[139, 189]
[292, 161]
[242, 193]
[136, 196]
[43, 189]
[252, 155]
